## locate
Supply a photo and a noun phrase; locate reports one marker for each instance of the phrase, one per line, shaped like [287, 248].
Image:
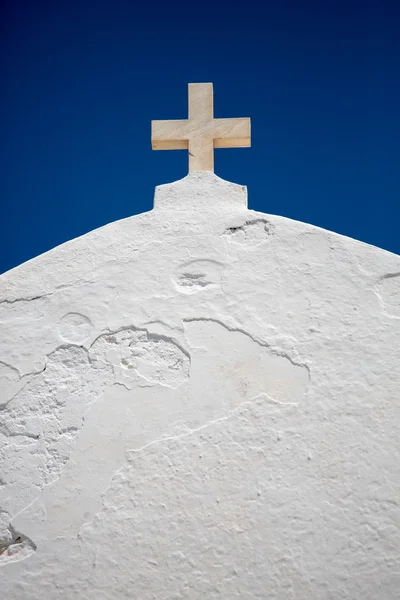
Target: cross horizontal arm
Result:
[226, 133]
[169, 135]
[231, 133]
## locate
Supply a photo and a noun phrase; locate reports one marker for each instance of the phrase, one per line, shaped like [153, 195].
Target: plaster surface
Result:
[201, 402]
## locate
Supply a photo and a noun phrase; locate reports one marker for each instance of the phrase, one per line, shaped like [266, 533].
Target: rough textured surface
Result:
[201, 402]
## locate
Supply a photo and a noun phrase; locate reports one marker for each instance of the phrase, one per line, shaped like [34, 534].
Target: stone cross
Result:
[200, 133]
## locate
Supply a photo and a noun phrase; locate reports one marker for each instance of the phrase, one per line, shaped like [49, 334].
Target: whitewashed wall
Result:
[201, 402]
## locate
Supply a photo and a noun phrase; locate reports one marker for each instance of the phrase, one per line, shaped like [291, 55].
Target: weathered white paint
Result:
[201, 402]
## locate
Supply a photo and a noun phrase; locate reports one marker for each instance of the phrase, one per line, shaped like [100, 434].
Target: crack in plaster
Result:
[190, 431]
[275, 351]
[7, 433]
[22, 300]
[390, 275]
[195, 430]
[132, 451]
[59, 288]
[11, 367]
[28, 376]
[248, 411]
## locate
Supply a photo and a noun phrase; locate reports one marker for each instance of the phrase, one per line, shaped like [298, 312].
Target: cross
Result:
[200, 133]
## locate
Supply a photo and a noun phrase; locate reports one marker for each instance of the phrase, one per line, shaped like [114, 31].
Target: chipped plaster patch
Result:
[136, 352]
[388, 291]
[198, 275]
[224, 363]
[15, 546]
[252, 232]
[40, 424]
[42, 419]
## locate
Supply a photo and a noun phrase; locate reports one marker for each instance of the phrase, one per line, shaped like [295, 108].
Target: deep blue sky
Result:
[82, 80]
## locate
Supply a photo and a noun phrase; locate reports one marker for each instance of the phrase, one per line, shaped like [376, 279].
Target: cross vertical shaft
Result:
[201, 113]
